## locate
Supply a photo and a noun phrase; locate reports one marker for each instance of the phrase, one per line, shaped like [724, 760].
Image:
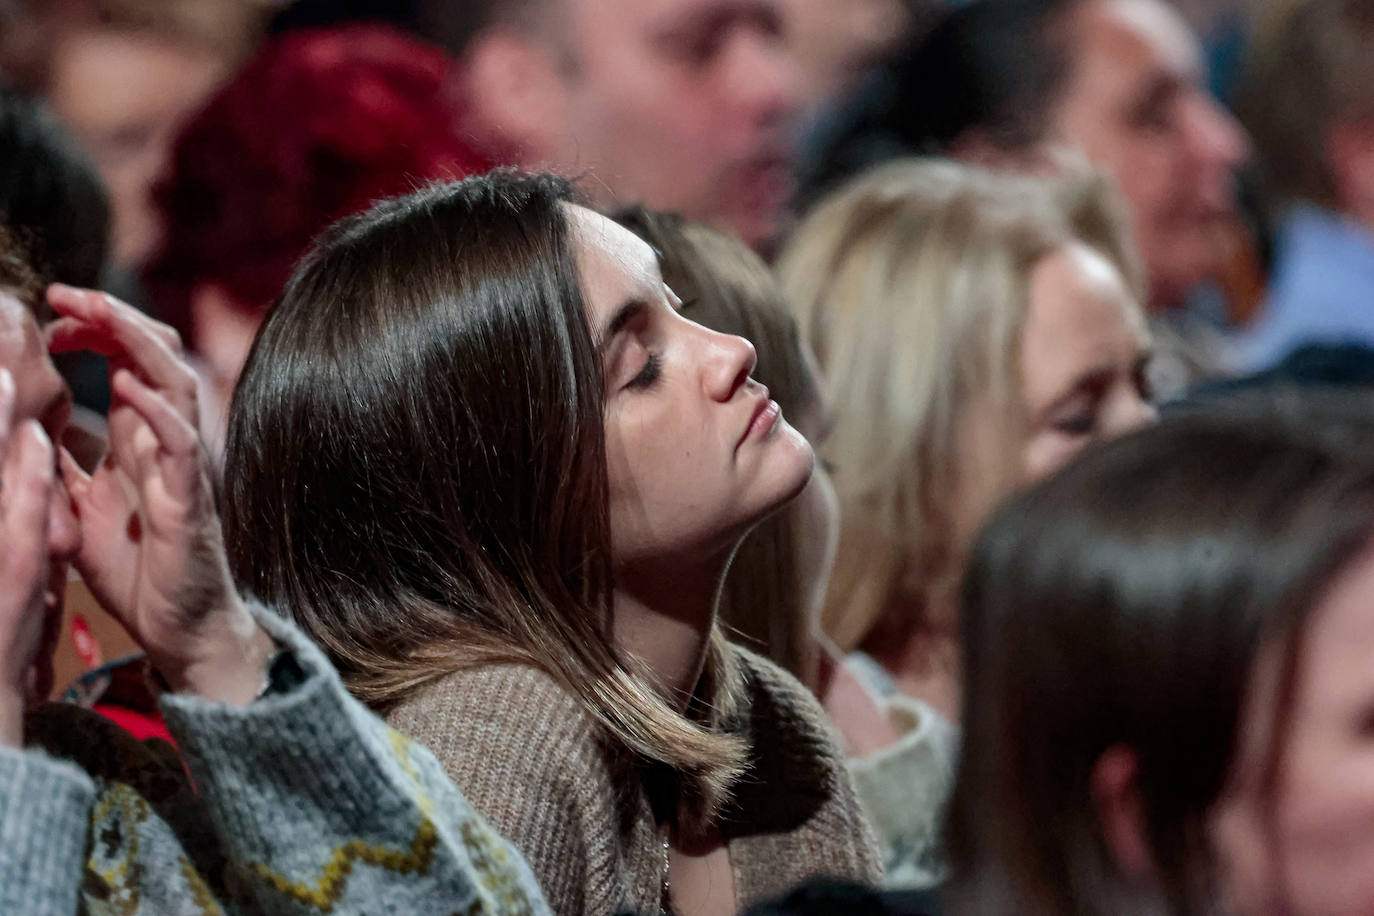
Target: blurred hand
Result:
[26, 482]
[152, 551]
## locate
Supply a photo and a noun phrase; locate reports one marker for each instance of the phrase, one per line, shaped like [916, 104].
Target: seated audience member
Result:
[358, 113]
[302, 799]
[123, 75]
[835, 44]
[1003, 82]
[1309, 102]
[689, 106]
[499, 475]
[974, 332]
[53, 203]
[1166, 678]
[775, 588]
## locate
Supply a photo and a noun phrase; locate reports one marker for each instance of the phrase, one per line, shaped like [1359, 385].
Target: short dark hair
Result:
[17, 276]
[454, 24]
[1125, 601]
[416, 465]
[996, 67]
[50, 196]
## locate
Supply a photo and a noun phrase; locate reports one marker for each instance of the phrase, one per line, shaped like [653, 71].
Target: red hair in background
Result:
[317, 125]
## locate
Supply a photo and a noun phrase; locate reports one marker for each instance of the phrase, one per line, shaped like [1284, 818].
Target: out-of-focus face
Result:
[835, 43]
[687, 106]
[1084, 352]
[1135, 104]
[41, 395]
[696, 451]
[124, 96]
[1308, 848]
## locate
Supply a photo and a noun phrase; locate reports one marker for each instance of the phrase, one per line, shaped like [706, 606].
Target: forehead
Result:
[614, 264]
[598, 20]
[1080, 317]
[23, 353]
[1135, 37]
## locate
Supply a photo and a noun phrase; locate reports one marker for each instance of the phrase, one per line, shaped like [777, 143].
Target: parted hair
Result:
[416, 466]
[911, 284]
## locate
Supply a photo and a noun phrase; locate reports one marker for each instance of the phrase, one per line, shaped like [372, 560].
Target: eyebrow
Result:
[622, 317]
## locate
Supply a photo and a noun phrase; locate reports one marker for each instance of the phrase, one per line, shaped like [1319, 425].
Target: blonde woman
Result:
[975, 331]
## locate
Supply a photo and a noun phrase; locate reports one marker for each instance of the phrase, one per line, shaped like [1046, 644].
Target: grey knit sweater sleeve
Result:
[320, 807]
[44, 807]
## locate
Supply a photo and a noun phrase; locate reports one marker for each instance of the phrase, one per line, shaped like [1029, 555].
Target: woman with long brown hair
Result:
[499, 476]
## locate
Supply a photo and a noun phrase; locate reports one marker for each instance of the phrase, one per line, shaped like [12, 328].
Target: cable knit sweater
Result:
[304, 803]
[534, 763]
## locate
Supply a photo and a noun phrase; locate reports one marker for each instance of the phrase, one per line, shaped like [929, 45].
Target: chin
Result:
[792, 462]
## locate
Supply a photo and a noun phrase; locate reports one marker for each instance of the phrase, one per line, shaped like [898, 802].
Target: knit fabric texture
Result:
[535, 764]
[304, 803]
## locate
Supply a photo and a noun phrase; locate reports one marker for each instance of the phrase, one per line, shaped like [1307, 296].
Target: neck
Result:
[663, 617]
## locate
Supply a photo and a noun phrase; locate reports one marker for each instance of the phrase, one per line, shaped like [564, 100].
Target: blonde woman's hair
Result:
[911, 285]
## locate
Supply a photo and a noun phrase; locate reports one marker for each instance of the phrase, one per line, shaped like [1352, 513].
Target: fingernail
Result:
[6, 382]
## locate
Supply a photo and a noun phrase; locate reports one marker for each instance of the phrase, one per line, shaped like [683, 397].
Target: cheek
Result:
[1046, 451]
[1326, 829]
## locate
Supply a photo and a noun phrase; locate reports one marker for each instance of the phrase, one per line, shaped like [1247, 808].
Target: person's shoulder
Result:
[510, 717]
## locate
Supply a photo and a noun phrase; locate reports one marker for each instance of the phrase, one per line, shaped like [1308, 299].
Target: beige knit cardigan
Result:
[535, 765]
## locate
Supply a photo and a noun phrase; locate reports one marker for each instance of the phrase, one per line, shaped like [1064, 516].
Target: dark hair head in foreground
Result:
[1124, 606]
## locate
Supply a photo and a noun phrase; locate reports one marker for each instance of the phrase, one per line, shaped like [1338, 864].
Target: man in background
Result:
[682, 105]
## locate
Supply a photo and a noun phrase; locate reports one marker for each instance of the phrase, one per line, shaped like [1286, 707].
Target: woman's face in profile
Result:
[1084, 352]
[1306, 845]
[696, 450]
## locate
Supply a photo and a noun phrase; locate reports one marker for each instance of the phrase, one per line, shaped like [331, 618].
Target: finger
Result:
[7, 398]
[74, 478]
[26, 492]
[122, 333]
[175, 438]
[90, 305]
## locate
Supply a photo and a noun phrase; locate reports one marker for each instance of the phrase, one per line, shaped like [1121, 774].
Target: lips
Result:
[765, 416]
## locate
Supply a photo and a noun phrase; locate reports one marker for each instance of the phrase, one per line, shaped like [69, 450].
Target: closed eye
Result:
[653, 369]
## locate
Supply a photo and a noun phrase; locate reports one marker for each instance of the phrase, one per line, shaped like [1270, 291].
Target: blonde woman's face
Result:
[1084, 349]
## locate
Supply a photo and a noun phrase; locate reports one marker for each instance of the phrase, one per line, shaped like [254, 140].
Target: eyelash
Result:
[647, 376]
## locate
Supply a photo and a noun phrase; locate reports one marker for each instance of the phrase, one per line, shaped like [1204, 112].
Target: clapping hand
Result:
[152, 551]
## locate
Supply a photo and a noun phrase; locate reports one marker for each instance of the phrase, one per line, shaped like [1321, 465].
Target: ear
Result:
[1120, 810]
[517, 93]
[1350, 159]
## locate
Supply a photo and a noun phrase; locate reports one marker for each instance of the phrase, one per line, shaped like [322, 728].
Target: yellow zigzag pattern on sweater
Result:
[330, 888]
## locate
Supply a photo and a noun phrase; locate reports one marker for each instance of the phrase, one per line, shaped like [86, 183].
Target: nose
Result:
[1215, 136]
[766, 79]
[1135, 413]
[728, 363]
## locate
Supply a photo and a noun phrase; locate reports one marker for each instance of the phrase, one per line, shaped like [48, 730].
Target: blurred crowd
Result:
[687, 456]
